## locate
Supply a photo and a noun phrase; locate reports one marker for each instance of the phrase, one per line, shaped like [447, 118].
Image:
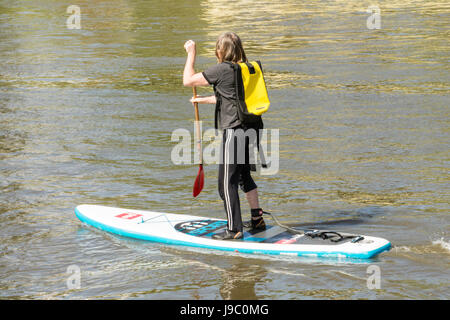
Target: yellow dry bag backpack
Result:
[251, 91]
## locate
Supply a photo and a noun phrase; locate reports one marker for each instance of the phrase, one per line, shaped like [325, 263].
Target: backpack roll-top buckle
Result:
[251, 68]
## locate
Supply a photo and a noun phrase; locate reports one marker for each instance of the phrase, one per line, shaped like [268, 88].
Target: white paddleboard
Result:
[194, 231]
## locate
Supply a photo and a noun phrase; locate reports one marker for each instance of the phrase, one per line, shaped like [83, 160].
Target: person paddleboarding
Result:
[236, 112]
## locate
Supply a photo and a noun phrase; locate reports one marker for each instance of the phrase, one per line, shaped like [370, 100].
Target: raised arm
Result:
[190, 78]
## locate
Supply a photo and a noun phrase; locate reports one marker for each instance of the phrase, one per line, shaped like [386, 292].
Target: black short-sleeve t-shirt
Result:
[221, 76]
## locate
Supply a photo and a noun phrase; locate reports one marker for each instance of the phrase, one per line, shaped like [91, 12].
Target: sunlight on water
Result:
[86, 116]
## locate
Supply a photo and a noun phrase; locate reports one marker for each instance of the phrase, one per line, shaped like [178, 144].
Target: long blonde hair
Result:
[229, 48]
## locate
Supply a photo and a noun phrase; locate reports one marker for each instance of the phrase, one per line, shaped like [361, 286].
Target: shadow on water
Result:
[344, 218]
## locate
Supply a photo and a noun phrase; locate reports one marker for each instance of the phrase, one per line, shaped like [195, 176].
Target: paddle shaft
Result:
[197, 127]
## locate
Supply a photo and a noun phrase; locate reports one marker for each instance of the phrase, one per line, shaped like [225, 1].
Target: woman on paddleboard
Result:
[232, 174]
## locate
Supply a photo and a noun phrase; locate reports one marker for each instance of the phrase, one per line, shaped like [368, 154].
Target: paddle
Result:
[199, 181]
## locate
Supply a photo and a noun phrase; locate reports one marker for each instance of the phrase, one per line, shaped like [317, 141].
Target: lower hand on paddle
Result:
[202, 100]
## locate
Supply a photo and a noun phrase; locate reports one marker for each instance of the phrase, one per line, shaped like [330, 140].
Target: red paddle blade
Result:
[199, 181]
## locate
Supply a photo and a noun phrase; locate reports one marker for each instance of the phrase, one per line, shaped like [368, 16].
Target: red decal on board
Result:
[290, 240]
[286, 241]
[128, 215]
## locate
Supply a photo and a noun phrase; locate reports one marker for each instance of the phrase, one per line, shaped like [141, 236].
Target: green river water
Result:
[87, 115]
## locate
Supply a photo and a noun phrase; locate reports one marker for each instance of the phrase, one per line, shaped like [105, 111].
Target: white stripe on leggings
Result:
[226, 178]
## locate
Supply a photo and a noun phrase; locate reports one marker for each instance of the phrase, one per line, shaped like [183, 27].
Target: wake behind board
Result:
[194, 231]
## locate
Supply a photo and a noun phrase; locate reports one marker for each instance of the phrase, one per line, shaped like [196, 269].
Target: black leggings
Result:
[234, 171]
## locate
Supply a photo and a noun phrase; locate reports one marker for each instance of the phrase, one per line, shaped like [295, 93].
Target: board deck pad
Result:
[273, 234]
[195, 231]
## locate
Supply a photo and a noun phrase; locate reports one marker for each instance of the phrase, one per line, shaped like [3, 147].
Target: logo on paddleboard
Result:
[200, 227]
